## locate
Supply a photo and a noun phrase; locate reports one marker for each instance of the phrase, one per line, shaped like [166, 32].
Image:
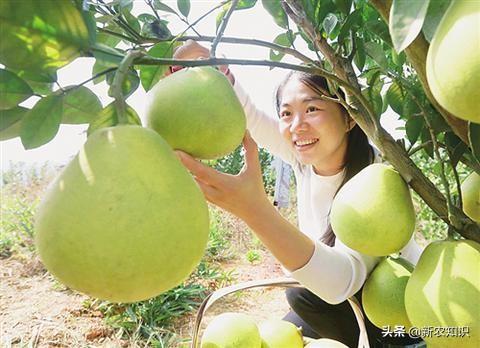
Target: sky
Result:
[259, 82]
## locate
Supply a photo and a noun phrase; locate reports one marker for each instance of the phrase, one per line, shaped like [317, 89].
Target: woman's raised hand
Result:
[191, 50]
[242, 194]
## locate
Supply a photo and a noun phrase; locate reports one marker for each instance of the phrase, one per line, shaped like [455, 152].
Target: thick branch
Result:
[225, 61]
[417, 56]
[392, 151]
[254, 42]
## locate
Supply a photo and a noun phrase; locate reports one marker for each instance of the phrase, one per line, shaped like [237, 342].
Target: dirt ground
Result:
[37, 311]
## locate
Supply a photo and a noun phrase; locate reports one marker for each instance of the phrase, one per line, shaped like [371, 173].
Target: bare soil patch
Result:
[37, 311]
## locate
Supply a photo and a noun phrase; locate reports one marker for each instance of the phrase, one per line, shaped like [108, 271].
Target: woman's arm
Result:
[334, 274]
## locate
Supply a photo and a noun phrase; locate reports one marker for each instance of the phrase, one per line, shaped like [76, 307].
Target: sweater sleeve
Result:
[264, 129]
[335, 273]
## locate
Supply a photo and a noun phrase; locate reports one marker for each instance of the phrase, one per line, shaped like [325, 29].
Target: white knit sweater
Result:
[332, 273]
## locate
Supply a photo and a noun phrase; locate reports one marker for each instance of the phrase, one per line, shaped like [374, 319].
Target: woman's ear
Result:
[350, 123]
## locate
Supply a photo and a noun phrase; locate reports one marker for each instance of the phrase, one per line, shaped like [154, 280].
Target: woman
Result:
[325, 148]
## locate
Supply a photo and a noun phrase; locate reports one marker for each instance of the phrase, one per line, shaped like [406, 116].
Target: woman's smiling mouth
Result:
[305, 144]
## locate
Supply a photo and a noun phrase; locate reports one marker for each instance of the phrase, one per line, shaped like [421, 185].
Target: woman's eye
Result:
[312, 109]
[285, 114]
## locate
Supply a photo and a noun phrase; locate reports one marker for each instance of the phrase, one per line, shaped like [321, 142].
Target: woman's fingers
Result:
[201, 171]
[210, 192]
[191, 50]
[251, 152]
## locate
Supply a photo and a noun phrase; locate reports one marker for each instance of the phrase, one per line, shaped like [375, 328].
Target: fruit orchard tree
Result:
[375, 50]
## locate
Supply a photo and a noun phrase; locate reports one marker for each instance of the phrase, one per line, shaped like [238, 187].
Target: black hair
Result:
[359, 153]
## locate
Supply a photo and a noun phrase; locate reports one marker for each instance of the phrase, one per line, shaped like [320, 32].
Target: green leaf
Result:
[40, 83]
[343, 5]
[322, 9]
[132, 21]
[359, 57]
[160, 6]
[435, 12]
[41, 123]
[353, 21]
[376, 52]
[455, 146]
[395, 97]
[410, 108]
[156, 29]
[241, 5]
[474, 139]
[427, 140]
[406, 21]
[80, 105]
[11, 122]
[283, 39]
[130, 84]
[151, 74]
[275, 9]
[378, 28]
[13, 90]
[41, 35]
[184, 7]
[108, 117]
[109, 56]
[375, 98]
[398, 59]
[245, 4]
[108, 39]
[413, 128]
[437, 122]
[329, 23]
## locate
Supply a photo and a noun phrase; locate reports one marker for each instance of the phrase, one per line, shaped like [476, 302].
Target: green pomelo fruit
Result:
[124, 221]
[453, 60]
[471, 196]
[444, 291]
[373, 212]
[231, 330]
[197, 111]
[325, 343]
[384, 292]
[276, 333]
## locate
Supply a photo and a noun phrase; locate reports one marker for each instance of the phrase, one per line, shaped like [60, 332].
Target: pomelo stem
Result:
[116, 87]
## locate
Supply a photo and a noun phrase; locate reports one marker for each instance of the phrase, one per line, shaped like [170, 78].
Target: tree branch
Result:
[417, 56]
[222, 28]
[393, 152]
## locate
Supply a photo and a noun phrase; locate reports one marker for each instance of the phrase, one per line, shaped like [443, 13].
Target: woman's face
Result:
[315, 128]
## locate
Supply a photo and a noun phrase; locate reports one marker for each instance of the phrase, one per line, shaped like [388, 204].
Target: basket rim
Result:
[271, 282]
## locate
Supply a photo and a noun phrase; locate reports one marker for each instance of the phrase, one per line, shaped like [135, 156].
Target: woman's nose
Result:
[298, 123]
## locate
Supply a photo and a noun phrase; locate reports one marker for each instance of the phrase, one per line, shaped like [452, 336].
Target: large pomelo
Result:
[373, 212]
[444, 292]
[383, 295]
[453, 60]
[124, 221]
[197, 111]
[471, 196]
[231, 330]
[277, 333]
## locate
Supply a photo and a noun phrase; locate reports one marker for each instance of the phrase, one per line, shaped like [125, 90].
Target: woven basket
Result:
[276, 282]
